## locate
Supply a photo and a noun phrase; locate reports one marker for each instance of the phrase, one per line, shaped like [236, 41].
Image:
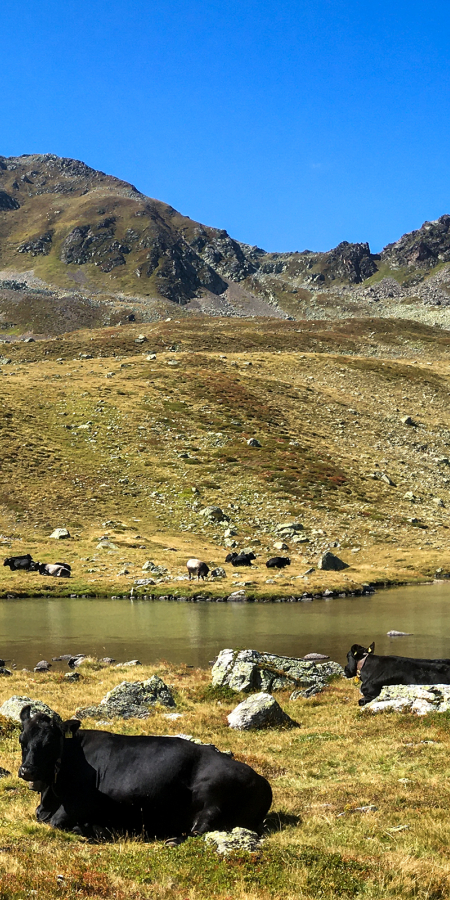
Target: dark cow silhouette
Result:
[58, 570]
[24, 562]
[377, 671]
[161, 787]
[278, 562]
[198, 568]
[240, 559]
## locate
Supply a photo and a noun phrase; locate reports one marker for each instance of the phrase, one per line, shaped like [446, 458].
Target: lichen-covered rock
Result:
[238, 839]
[259, 711]
[249, 670]
[416, 698]
[130, 700]
[13, 707]
[214, 514]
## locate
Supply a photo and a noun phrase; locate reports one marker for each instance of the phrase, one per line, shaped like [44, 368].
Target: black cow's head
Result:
[8, 561]
[41, 740]
[354, 655]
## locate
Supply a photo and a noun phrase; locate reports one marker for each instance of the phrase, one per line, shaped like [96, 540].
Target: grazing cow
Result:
[58, 570]
[198, 568]
[240, 559]
[21, 562]
[377, 671]
[278, 562]
[164, 787]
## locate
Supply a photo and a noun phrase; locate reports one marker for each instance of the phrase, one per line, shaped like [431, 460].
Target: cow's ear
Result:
[71, 727]
[25, 713]
[372, 647]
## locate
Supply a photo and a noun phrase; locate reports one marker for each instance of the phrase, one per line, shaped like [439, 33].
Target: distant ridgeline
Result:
[68, 228]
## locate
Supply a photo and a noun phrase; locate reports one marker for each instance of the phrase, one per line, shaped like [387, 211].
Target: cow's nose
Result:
[24, 772]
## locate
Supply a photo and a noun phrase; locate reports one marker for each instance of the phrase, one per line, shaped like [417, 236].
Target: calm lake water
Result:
[194, 633]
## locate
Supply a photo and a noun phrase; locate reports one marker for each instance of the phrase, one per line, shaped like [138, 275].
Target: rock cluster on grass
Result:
[130, 700]
[249, 670]
[13, 707]
[238, 839]
[259, 711]
[416, 698]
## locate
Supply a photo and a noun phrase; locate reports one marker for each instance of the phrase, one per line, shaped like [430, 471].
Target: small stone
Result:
[214, 514]
[141, 339]
[407, 420]
[150, 357]
[60, 534]
[237, 840]
[410, 496]
[253, 442]
[72, 676]
[124, 571]
[131, 662]
[280, 545]
[42, 666]
[218, 572]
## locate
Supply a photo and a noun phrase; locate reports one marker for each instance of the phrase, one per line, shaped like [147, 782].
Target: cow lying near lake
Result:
[24, 562]
[198, 568]
[376, 672]
[278, 562]
[164, 787]
[58, 570]
[240, 559]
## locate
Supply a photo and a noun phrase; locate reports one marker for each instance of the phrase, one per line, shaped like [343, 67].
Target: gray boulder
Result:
[60, 534]
[13, 707]
[227, 842]
[331, 563]
[218, 572]
[130, 700]
[249, 670]
[415, 698]
[214, 514]
[259, 711]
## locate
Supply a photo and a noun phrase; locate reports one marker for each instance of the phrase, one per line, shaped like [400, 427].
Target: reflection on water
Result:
[194, 633]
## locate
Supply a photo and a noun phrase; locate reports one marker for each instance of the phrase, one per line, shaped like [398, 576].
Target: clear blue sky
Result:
[291, 124]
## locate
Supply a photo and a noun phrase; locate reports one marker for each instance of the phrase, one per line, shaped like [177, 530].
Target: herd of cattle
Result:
[28, 564]
[98, 783]
[194, 566]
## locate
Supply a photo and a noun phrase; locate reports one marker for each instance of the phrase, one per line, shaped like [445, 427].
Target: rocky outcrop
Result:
[329, 562]
[130, 700]
[249, 670]
[421, 249]
[8, 202]
[259, 711]
[416, 698]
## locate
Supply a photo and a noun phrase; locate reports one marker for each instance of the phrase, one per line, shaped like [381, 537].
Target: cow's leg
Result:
[369, 693]
[210, 818]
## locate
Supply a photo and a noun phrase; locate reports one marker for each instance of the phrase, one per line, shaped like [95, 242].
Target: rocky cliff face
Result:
[75, 228]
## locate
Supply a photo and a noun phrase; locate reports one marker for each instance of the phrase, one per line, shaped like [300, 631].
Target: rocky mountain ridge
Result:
[78, 233]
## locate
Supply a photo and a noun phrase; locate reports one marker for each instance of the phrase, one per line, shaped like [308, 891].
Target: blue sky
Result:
[291, 124]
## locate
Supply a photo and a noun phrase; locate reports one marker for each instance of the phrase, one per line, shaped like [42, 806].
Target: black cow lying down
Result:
[162, 787]
[377, 671]
[278, 562]
[21, 562]
[240, 559]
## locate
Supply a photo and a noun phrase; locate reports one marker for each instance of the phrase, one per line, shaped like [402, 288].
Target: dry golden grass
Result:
[318, 843]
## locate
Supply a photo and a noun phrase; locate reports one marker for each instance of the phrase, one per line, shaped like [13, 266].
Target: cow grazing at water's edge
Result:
[24, 562]
[240, 559]
[278, 562]
[58, 570]
[376, 672]
[198, 568]
[163, 787]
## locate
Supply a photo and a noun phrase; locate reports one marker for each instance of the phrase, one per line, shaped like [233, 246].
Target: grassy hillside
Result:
[99, 438]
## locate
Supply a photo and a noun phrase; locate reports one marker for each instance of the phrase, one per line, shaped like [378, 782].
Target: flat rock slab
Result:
[249, 670]
[259, 711]
[130, 700]
[226, 842]
[13, 707]
[416, 698]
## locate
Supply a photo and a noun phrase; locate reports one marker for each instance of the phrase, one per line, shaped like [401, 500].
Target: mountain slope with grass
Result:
[79, 248]
[126, 438]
